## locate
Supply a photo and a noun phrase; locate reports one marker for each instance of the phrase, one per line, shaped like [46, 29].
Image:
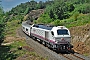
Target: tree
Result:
[52, 14]
[2, 25]
[27, 10]
[41, 5]
[60, 9]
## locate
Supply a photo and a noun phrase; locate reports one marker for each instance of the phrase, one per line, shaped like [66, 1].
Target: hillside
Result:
[66, 12]
[73, 14]
[9, 24]
[24, 9]
[34, 15]
[76, 16]
[81, 39]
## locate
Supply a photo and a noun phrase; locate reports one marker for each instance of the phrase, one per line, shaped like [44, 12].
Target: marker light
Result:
[60, 27]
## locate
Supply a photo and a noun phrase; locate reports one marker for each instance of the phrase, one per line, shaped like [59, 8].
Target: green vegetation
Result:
[11, 27]
[57, 12]
[2, 25]
[6, 54]
[24, 8]
[13, 20]
[18, 12]
[66, 12]
[9, 22]
[11, 52]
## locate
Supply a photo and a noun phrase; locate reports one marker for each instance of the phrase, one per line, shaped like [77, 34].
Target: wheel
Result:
[48, 45]
[43, 42]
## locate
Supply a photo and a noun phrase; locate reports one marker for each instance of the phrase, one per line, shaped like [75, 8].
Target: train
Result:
[57, 38]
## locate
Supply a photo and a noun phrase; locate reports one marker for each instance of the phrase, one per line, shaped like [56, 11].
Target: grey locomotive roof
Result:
[43, 26]
[48, 27]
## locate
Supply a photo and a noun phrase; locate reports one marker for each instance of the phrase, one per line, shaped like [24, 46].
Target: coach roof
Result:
[43, 26]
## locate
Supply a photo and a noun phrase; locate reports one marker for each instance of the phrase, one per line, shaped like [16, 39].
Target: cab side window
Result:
[52, 33]
[26, 29]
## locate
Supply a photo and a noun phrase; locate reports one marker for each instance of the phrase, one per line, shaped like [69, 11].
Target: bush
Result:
[1, 33]
[83, 8]
[2, 25]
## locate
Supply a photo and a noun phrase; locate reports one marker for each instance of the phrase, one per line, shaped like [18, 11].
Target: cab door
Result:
[46, 35]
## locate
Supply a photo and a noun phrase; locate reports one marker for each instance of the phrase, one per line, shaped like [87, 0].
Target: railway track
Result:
[45, 52]
[72, 57]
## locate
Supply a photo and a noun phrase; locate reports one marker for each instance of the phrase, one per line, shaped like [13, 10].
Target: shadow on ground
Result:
[5, 53]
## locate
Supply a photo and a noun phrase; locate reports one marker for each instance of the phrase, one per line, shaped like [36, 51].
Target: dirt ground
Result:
[9, 39]
[81, 39]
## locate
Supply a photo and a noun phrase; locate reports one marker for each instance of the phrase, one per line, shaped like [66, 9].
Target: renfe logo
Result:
[62, 39]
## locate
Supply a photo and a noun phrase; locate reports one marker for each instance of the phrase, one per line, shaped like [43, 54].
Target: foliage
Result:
[61, 9]
[11, 27]
[44, 20]
[27, 10]
[11, 52]
[67, 12]
[2, 25]
[52, 14]
[83, 8]
[22, 10]
[82, 19]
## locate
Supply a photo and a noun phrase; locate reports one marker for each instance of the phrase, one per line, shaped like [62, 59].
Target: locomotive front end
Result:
[62, 38]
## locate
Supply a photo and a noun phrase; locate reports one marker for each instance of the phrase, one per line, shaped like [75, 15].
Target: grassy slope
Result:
[10, 51]
[75, 20]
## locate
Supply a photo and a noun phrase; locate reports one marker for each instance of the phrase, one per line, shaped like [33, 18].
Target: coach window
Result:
[52, 33]
[26, 29]
[23, 28]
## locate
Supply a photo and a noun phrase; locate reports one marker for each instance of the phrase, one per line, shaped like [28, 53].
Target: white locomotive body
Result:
[55, 37]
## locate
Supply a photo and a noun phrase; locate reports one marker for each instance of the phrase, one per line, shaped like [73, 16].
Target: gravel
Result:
[86, 58]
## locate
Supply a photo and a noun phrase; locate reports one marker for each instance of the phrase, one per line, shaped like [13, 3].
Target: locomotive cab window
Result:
[62, 32]
[36, 26]
[26, 29]
[52, 33]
